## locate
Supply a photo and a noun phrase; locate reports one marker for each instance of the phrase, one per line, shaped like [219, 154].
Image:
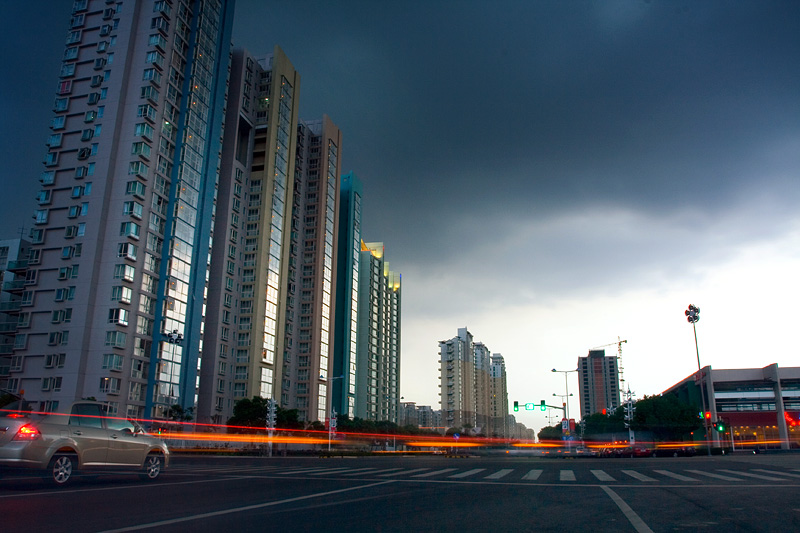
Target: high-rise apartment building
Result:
[13, 270]
[457, 375]
[310, 306]
[599, 382]
[248, 288]
[119, 261]
[343, 395]
[499, 397]
[378, 345]
[483, 393]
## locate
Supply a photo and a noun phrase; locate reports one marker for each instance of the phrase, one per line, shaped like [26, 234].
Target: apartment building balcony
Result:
[10, 306]
[14, 286]
[17, 266]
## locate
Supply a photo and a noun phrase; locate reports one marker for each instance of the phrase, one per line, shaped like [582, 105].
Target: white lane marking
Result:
[715, 476]
[673, 475]
[468, 473]
[157, 484]
[435, 472]
[566, 475]
[601, 475]
[533, 475]
[500, 473]
[243, 509]
[776, 473]
[636, 475]
[404, 472]
[757, 476]
[637, 523]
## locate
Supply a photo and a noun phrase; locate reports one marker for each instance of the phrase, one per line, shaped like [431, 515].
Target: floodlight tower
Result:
[692, 316]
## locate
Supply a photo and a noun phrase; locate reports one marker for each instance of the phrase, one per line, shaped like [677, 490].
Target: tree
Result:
[666, 416]
[179, 414]
[550, 433]
[253, 413]
[598, 426]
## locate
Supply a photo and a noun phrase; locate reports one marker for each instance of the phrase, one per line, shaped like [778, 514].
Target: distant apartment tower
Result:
[13, 269]
[345, 353]
[483, 393]
[599, 383]
[247, 295]
[119, 261]
[499, 398]
[310, 306]
[457, 376]
[378, 346]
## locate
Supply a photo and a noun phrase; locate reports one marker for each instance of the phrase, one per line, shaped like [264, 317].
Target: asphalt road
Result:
[731, 494]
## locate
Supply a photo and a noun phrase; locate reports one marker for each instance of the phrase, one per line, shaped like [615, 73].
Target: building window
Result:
[112, 361]
[109, 385]
[124, 272]
[116, 339]
[130, 229]
[122, 294]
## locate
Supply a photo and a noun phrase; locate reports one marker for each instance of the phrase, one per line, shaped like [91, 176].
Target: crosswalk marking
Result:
[373, 471]
[601, 475]
[776, 473]
[757, 476]
[435, 472]
[337, 471]
[404, 472]
[673, 475]
[567, 475]
[468, 473]
[305, 471]
[533, 475]
[636, 475]
[715, 476]
[500, 473]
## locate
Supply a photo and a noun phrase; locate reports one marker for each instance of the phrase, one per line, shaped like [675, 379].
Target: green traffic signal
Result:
[543, 406]
[516, 405]
[719, 426]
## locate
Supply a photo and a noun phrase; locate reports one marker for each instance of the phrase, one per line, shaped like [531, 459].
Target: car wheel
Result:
[60, 469]
[152, 466]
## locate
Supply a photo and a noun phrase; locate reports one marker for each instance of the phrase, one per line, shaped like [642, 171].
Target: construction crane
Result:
[618, 344]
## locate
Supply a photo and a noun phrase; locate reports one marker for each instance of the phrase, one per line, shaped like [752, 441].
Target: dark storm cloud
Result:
[452, 110]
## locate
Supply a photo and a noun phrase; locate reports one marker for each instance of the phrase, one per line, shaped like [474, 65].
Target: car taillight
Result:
[27, 432]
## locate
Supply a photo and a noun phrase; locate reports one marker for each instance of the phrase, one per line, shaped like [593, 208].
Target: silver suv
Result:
[85, 439]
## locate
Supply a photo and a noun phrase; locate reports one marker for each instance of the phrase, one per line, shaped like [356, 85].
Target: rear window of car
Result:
[86, 415]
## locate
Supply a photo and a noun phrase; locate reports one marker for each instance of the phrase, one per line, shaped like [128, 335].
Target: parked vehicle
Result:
[86, 439]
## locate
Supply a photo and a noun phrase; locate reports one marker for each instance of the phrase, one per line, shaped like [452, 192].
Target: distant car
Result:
[682, 451]
[637, 451]
[87, 440]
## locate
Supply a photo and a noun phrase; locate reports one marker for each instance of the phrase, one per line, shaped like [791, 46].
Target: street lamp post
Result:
[692, 316]
[566, 396]
[566, 387]
[394, 437]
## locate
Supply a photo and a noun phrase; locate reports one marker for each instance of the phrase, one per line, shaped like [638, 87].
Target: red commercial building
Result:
[758, 407]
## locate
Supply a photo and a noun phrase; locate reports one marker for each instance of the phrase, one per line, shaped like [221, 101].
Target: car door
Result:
[87, 429]
[127, 443]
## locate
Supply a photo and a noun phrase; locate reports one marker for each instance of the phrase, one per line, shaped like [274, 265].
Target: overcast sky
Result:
[551, 174]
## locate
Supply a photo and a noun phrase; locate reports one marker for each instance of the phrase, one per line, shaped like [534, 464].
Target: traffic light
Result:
[516, 405]
[719, 426]
[543, 406]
